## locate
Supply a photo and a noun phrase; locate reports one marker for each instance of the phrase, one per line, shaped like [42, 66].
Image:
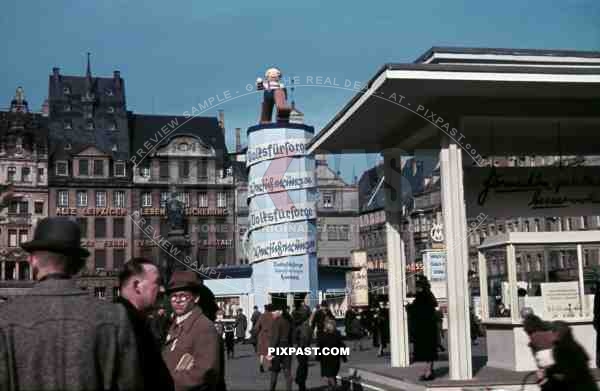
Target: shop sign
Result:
[189, 212]
[115, 243]
[91, 212]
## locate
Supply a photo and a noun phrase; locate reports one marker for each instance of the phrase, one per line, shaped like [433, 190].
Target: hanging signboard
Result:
[532, 192]
[359, 280]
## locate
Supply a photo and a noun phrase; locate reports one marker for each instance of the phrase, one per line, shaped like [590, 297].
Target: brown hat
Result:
[184, 280]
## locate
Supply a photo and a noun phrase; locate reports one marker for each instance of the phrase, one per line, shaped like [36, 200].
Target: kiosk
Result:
[540, 270]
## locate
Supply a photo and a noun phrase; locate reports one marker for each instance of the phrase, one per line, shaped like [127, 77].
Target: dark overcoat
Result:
[425, 333]
[57, 337]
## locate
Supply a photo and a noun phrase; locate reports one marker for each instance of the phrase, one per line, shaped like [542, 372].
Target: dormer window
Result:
[108, 92]
[110, 110]
[66, 90]
[68, 147]
[62, 168]
[120, 169]
[68, 124]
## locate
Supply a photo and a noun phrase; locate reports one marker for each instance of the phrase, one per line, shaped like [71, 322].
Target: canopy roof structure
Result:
[500, 100]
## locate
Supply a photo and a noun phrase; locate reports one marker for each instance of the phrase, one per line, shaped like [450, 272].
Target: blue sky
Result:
[174, 55]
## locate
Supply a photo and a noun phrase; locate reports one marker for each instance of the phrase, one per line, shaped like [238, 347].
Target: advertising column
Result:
[282, 196]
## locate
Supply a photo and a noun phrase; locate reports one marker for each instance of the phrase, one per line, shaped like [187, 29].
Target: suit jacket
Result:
[281, 335]
[57, 337]
[156, 373]
[192, 351]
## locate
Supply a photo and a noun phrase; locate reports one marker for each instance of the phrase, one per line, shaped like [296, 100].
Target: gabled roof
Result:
[146, 128]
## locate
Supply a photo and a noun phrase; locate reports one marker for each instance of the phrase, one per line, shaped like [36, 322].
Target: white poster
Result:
[281, 248]
[261, 218]
[561, 300]
[284, 148]
[275, 183]
[537, 191]
[359, 280]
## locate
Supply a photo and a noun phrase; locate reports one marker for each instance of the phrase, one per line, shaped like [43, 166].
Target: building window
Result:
[108, 92]
[119, 227]
[144, 169]
[110, 110]
[25, 174]
[203, 257]
[38, 207]
[68, 124]
[337, 232]
[100, 199]
[83, 167]
[163, 169]
[11, 174]
[61, 168]
[221, 229]
[146, 199]
[90, 125]
[202, 168]
[203, 200]
[12, 238]
[164, 197]
[118, 199]
[184, 197]
[82, 199]
[118, 259]
[112, 126]
[221, 200]
[100, 291]
[63, 199]
[88, 115]
[116, 290]
[98, 167]
[67, 107]
[40, 174]
[83, 227]
[220, 256]
[184, 168]
[66, 90]
[327, 200]
[99, 227]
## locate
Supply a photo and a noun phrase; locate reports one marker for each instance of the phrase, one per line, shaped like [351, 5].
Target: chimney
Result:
[222, 120]
[117, 79]
[56, 72]
[238, 139]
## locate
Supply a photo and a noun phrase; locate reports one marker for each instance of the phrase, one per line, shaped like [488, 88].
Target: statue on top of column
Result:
[275, 95]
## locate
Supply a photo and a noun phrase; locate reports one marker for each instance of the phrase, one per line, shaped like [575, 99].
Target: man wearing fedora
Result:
[192, 350]
[57, 337]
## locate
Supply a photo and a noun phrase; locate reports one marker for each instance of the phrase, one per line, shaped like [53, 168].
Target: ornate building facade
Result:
[24, 165]
[89, 171]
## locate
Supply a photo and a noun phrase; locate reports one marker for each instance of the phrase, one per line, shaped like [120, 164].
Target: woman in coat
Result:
[264, 328]
[330, 364]
[422, 311]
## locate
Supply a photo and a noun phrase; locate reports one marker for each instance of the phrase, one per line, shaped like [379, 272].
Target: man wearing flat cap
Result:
[192, 349]
[57, 337]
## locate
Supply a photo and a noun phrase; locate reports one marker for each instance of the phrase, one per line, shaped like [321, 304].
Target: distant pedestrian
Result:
[303, 337]
[426, 333]
[241, 325]
[321, 317]
[263, 332]
[140, 283]
[254, 320]
[382, 329]
[229, 332]
[330, 364]
[57, 337]
[281, 337]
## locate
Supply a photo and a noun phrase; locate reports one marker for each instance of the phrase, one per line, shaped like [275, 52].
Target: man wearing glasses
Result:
[192, 349]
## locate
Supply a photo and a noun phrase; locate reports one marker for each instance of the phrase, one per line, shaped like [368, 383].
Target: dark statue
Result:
[175, 213]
